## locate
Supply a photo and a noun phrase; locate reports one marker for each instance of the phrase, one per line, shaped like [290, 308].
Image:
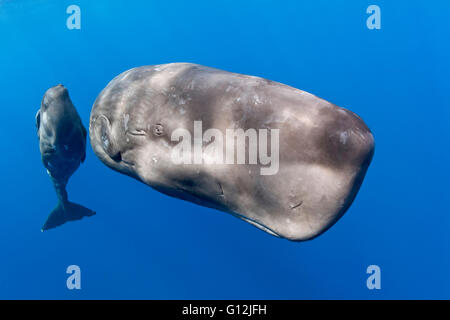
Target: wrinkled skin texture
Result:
[324, 150]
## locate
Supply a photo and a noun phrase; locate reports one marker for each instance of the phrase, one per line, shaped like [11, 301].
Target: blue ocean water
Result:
[145, 245]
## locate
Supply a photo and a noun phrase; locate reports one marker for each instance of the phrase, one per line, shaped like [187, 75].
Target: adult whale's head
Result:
[130, 126]
[324, 150]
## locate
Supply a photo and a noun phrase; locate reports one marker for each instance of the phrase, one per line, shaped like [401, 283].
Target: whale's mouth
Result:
[257, 224]
[128, 162]
[117, 157]
[109, 149]
[124, 163]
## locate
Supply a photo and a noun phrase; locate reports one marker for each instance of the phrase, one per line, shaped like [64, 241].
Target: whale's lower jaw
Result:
[288, 218]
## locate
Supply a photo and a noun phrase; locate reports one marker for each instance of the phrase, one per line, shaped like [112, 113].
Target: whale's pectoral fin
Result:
[68, 212]
[38, 121]
[83, 156]
[83, 129]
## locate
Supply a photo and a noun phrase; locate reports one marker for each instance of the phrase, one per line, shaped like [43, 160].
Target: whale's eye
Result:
[158, 130]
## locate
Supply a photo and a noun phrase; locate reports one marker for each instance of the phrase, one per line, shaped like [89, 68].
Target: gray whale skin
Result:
[62, 143]
[324, 150]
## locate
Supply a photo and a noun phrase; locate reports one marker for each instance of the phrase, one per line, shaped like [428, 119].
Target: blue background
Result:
[142, 244]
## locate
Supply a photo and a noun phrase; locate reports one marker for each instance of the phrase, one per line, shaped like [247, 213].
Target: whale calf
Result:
[62, 143]
[318, 162]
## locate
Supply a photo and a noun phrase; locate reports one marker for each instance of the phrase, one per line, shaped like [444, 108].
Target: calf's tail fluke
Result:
[67, 211]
